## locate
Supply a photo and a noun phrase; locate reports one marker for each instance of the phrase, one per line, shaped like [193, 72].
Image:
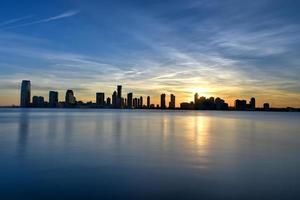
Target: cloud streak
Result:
[15, 20]
[66, 14]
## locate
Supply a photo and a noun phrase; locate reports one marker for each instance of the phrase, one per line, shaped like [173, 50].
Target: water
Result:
[119, 154]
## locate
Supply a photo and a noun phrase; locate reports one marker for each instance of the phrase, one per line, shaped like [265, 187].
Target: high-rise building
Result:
[119, 88]
[119, 97]
[141, 102]
[114, 99]
[70, 98]
[25, 93]
[135, 102]
[240, 104]
[129, 100]
[100, 98]
[148, 102]
[38, 101]
[53, 99]
[172, 102]
[163, 101]
[196, 97]
[252, 104]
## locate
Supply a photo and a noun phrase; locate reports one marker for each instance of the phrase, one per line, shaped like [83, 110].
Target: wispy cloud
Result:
[15, 20]
[49, 19]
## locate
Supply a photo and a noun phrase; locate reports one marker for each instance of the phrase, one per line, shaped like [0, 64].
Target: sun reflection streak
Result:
[201, 139]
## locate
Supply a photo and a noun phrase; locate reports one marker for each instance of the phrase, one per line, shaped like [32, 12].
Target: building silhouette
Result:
[172, 102]
[196, 98]
[129, 100]
[53, 99]
[141, 102]
[240, 104]
[119, 97]
[148, 102]
[135, 103]
[187, 106]
[114, 99]
[70, 99]
[108, 101]
[38, 102]
[266, 107]
[163, 101]
[119, 89]
[252, 104]
[25, 94]
[100, 99]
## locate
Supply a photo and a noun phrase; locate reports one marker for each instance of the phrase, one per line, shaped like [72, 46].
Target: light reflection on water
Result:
[113, 154]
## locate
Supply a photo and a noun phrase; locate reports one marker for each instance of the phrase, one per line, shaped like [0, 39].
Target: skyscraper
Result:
[53, 99]
[135, 102]
[119, 97]
[129, 100]
[163, 101]
[148, 102]
[25, 94]
[196, 97]
[240, 104]
[172, 102]
[252, 104]
[119, 88]
[141, 102]
[70, 98]
[100, 98]
[114, 99]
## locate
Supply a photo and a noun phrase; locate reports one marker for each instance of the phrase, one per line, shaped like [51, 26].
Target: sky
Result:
[233, 49]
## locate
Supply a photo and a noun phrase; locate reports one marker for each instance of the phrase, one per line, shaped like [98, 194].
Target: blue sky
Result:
[232, 49]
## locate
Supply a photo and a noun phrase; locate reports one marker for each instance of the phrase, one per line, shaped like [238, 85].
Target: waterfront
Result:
[148, 154]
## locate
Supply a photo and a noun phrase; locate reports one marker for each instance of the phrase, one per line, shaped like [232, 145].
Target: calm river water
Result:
[140, 154]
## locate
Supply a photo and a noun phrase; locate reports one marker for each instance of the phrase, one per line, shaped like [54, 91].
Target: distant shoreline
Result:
[288, 109]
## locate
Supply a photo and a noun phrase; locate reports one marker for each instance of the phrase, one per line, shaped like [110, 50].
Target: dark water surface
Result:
[119, 154]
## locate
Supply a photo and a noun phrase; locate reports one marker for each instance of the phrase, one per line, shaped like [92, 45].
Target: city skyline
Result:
[230, 49]
[117, 101]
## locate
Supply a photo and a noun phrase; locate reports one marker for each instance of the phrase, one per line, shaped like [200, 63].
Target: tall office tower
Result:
[135, 102]
[196, 98]
[141, 102]
[138, 103]
[172, 102]
[100, 98]
[119, 88]
[25, 94]
[53, 99]
[163, 101]
[129, 100]
[108, 101]
[252, 104]
[70, 98]
[148, 102]
[114, 99]
[119, 96]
